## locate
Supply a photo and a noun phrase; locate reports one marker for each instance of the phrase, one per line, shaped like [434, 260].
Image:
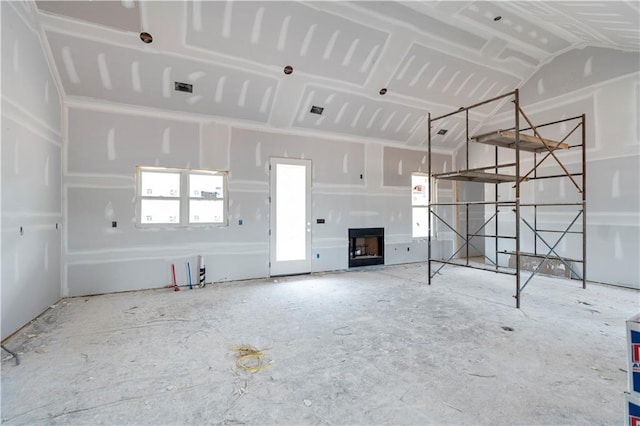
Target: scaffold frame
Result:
[515, 138]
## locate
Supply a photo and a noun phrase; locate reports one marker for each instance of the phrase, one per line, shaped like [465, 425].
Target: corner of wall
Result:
[31, 172]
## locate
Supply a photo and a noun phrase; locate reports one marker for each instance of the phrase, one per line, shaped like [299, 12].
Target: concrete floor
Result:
[366, 347]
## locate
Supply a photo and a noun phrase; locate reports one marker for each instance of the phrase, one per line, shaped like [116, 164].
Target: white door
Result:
[290, 216]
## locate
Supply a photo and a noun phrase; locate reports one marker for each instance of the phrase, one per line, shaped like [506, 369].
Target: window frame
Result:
[184, 197]
[432, 194]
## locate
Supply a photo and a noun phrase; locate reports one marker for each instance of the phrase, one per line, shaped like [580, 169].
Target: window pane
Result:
[419, 190]
[160, 184]
[291, 207]
[206, 186]
[206, 211]
[420, 222]
[159, 211]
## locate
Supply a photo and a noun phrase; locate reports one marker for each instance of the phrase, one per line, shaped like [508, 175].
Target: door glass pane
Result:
[206, 186]
[206, 211]
[159, 184]
[159, 211]
[419, 190]
[291, 227]
[420, 222]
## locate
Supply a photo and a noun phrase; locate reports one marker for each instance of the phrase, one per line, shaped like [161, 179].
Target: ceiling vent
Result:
[183, 87]
[442, 131]
[316, 110]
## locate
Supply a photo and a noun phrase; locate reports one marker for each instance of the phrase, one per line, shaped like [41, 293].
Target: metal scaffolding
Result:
[520, 141]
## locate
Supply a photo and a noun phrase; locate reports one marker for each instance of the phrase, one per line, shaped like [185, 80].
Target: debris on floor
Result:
[251, 359]
[13, 355]
[482, 375]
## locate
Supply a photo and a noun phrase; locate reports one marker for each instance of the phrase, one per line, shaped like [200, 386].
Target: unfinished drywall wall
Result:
[398, 165]
[105, 143]
[31, 198]
[609, 97]
[470, 217]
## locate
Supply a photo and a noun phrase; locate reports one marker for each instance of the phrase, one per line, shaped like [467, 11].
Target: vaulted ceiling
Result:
[431, 56]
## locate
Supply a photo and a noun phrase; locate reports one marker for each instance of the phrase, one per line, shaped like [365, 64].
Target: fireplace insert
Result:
[366, 247]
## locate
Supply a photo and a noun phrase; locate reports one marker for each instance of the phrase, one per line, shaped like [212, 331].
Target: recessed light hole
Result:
[497, 18]
[383, 91]
[316, 110]
[146, 37]
[288, 69]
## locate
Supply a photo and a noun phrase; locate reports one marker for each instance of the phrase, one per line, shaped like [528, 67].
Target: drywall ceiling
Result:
[431, 56]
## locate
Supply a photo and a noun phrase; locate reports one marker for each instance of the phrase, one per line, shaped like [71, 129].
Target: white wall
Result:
[31, 199]
[469, 191]
[609, 96]
[103, 144]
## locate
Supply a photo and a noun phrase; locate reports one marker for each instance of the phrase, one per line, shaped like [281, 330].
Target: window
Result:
[420, 187]
[180, 197]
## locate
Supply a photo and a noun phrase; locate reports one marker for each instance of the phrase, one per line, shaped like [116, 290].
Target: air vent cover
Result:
[442, 131]
[316, 110]
[183, 87]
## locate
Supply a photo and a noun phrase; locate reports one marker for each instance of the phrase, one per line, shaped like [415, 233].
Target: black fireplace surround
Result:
[366, 247]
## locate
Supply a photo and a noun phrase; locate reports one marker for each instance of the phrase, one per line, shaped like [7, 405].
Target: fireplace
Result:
[366, 246]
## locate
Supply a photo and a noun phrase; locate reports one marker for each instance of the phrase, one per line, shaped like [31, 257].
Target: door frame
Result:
[293, 267]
